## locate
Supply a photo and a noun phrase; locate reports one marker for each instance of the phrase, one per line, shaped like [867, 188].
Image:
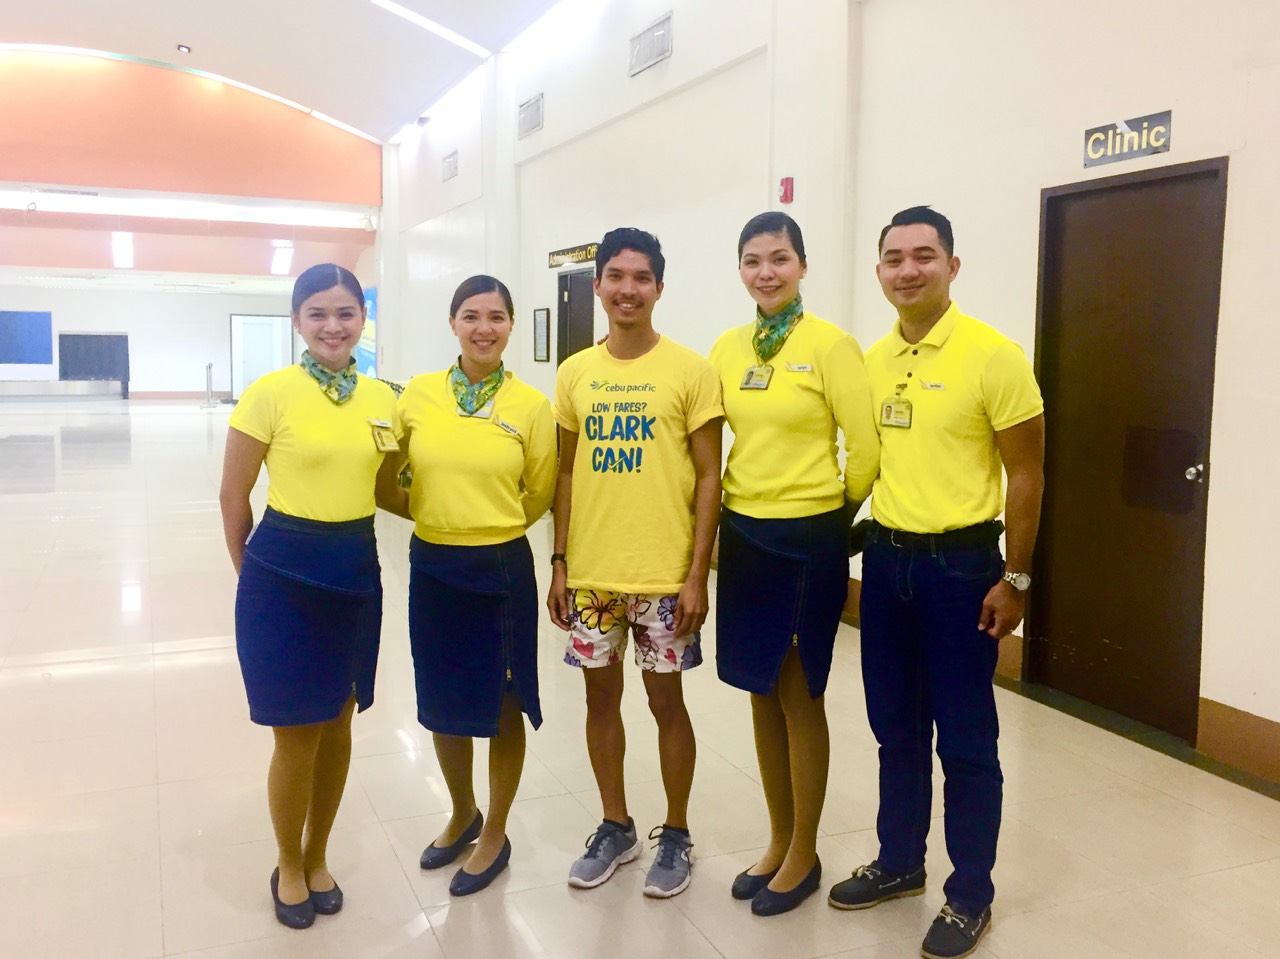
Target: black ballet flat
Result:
[766, 902]
[435, 857]
[298, 916]
[745, 886]
[327, 903]
[465, 883]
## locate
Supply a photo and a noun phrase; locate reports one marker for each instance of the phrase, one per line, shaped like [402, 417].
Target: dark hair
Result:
[629, 238]
[321, 277]
[773, 222]
[475, 286]
[929, 217]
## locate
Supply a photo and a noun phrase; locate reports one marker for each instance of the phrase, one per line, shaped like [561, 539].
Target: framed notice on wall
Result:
[542, 335]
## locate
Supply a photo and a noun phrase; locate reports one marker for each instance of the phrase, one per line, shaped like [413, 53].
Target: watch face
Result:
[1019, 581]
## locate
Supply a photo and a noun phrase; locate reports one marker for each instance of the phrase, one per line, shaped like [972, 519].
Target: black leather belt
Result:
[980, 534]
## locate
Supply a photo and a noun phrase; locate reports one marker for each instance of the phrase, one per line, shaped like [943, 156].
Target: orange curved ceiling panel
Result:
[83, 120]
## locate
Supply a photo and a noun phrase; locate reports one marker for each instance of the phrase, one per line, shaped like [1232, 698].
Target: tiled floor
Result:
[133, 820]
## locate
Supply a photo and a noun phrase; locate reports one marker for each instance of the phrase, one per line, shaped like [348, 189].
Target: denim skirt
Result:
[781, 583]
[473, 629]
[308, 618]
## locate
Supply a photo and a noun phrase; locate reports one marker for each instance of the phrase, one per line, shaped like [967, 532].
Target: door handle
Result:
[1195, 473]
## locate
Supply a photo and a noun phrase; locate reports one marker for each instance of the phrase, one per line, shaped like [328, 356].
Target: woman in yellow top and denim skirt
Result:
[309, 596]
[483, 452]
[790, 382]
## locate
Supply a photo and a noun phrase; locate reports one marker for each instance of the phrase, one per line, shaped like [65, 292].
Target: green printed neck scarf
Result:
[475, 396]
[772, 331]
[340, 386]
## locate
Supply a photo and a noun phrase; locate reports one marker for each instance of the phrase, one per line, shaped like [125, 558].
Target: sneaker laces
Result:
[868, 871]
[668, 846]
[598, 839]
[955, 918]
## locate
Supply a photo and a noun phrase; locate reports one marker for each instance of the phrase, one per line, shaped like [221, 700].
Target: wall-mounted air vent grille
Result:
[651, 45]
[529, 118]
[449, 166]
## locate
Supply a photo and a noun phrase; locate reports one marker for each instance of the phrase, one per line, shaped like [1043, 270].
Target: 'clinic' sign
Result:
[1139, 137]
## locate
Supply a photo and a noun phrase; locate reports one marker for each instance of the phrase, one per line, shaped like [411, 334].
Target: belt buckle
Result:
[893, 539]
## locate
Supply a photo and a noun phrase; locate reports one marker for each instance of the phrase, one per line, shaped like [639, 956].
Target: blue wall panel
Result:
[26, 337]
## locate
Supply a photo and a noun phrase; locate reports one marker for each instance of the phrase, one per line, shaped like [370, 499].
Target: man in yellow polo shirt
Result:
[956, 401]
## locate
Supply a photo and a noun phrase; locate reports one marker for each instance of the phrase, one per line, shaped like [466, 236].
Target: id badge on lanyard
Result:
[896, 410]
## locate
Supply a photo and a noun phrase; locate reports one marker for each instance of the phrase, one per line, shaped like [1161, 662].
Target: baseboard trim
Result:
[177, 395]
[1239, 739]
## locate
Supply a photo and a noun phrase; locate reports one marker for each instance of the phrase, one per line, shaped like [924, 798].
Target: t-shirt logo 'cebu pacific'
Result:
[619, 430]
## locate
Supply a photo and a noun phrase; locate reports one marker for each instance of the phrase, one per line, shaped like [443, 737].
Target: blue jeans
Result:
[925, 663]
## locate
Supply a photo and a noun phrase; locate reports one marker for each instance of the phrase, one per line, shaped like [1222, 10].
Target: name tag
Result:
[896, 412]
[508, 427]
[384, 440]
[933, 386]
[800, 367]
[757, 377]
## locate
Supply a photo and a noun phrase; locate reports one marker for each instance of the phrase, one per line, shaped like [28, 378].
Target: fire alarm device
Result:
[786, 189]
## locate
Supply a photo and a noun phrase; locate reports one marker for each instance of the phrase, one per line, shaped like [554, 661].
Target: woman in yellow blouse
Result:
[483, 452]
[790, 381]
[309, 596]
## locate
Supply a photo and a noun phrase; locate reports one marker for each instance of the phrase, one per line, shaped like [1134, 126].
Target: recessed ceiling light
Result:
[183, 48]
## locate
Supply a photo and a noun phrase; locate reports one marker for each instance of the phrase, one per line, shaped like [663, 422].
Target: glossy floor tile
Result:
[133, 818]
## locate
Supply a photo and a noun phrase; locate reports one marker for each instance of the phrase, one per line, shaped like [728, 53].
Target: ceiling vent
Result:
[651, 45]
[529, 117]
[449, 166]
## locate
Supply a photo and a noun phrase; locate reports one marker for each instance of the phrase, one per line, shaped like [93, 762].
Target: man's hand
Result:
[558, 596]
[691, 606]
[1002, 610]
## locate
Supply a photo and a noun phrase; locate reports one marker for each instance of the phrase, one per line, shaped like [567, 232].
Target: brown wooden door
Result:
[575, 322]
[1129, 281]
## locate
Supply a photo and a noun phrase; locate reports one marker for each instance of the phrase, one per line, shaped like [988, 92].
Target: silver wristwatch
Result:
[1019, 581]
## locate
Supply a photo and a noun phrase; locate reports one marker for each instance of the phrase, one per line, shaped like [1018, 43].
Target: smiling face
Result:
[483, 327]
[330, 323]
[915, 272]
[628, 289]
[771, 271]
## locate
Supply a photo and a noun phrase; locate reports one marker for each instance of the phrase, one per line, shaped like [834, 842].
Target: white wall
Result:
[171, 335]
[872, 106]
[990, 106]
[689, 149]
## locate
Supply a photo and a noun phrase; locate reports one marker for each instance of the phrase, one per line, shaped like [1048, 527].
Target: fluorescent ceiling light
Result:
[281, 260]
[439, 30]
[172, 208]
[122, 250]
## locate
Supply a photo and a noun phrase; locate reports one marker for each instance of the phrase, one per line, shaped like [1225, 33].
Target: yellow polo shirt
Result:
[321, 457]
[477, 480]
[784, 462]
[631, 526]
[965, 381]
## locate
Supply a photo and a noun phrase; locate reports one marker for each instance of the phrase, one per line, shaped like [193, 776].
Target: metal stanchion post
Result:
[209, 401]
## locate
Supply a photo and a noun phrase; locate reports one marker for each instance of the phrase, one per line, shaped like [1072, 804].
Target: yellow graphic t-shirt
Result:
[321, 460]
[631, 525]
[478, 480]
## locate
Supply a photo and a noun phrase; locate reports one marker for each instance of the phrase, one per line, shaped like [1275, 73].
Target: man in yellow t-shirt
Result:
[636, 506]
[955, 402]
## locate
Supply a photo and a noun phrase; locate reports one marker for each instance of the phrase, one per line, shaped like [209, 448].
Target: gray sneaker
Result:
[672, 865]
[607, 849]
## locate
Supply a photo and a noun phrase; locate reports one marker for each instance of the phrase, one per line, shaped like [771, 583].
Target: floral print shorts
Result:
[598, 631]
